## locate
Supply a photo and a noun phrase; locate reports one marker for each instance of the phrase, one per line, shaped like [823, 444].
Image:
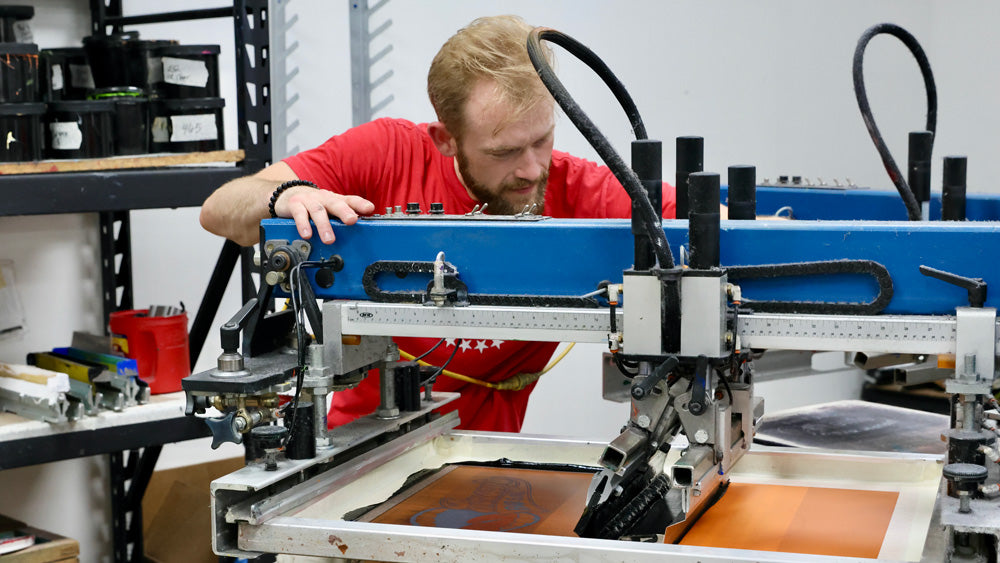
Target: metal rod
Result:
[185, 15]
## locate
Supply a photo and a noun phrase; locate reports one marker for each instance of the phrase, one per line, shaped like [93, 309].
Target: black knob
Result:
[965, 476]
[223, 430]
[437, 208]
[268, 437]
[413, 208]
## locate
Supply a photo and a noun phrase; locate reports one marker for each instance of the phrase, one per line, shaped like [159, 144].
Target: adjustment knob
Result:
[268, 439]
[437, 208]
[413, 208]
[965, 478]
[224, 430]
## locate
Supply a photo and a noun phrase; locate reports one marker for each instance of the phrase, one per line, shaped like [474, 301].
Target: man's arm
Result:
[235, 210]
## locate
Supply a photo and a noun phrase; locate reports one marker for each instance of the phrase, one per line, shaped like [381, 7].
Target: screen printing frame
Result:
[313, 525]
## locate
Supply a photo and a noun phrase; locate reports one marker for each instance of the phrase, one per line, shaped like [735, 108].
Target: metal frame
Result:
[289, 526]
[116, 275]
[113, 194]
[362, 61]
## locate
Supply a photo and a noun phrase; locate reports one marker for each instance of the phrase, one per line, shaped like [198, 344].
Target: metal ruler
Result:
[542, 324]
[904, 334]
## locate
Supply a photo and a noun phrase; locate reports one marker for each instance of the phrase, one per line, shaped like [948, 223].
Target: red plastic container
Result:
[159, 345]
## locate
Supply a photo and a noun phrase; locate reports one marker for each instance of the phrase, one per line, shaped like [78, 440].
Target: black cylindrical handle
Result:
[268, 437]
[743, 192]
[690, 158]
[919, 164]
[953, 189]
[703, 226]
[302, 444]
[647, 162]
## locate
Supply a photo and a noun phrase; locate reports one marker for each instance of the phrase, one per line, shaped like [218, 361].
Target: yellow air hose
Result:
[515, 382]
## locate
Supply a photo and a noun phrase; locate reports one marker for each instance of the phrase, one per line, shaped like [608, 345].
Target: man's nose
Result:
[530, 166]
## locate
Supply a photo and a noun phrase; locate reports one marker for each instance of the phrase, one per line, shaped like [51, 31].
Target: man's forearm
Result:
[235, 210]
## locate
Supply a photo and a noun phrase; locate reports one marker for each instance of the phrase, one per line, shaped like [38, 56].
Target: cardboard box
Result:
[176, 512]
[49, 547]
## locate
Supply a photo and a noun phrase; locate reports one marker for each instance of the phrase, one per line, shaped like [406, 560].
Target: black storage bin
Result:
[21, 131]
[14, 24]
[191, 125]
[19, 73]
[108, 56]
[189, 71]
[79, 129]
[64, 74]
[130, 125]
[145, 69]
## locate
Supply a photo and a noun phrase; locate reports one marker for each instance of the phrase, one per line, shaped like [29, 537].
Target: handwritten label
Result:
[80, 77]
[161, 130]
[66, 135]
[185, 72]
[199, 127]
[56, 77]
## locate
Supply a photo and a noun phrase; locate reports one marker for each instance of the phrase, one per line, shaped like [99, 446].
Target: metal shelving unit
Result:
[134, 447]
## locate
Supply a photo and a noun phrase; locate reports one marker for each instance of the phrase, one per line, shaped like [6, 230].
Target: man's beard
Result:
[503, 200]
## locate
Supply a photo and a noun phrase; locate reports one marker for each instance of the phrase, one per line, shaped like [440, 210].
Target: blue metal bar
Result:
[570, 257]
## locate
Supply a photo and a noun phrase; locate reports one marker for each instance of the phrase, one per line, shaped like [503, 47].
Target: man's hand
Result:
[303, 203]
[235, 210]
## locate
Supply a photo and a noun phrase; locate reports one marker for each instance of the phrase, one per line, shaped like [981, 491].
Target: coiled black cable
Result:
[649, 217]
[912, 207]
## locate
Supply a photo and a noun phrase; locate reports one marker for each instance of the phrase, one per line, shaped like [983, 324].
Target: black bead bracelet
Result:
[278, 191]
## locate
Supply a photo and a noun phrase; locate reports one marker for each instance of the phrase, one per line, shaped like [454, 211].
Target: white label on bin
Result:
[199, 127]
[154, 70]
[22, 32]
[80, 77]
[66, 135]
[161, 132]
[185, 72]
[56, 78]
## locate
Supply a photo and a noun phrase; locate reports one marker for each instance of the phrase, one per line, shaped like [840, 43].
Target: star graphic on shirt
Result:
[481, 345]
[465, 345]
[449, 342]
[497, 343]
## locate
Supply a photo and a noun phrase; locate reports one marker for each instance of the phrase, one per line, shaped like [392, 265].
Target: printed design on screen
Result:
[497, 504]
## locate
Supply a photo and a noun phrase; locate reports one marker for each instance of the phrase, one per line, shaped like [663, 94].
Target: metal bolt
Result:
[964, 502]
[701, 436]
[642, 420]
[274, 278]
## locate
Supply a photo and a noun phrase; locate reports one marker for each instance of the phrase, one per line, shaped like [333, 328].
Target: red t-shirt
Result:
[393, 162]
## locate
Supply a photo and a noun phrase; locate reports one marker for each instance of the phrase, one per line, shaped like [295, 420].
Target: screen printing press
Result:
[684, 480]
[686, 337]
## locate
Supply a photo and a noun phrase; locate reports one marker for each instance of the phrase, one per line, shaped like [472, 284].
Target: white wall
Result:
[766, 83]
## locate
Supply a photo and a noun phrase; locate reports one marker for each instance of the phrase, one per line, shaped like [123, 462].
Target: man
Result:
[492, 145]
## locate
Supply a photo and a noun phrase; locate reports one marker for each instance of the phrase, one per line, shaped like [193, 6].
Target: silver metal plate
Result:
[544, 324]
[916, 334]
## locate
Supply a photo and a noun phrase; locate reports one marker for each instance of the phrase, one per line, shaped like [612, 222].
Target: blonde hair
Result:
[491, 48]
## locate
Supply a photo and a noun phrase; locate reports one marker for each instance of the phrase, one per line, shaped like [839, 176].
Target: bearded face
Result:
[508, 197]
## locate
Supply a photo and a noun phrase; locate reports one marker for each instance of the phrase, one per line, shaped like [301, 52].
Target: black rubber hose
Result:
[651, 218]
[912, 207]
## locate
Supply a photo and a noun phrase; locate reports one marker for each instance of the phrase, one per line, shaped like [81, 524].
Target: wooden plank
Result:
[121, 162]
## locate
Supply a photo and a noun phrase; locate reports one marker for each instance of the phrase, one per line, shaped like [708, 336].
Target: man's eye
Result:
[503, 154]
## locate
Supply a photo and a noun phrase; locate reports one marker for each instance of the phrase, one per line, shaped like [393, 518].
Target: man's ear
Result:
[445, 142]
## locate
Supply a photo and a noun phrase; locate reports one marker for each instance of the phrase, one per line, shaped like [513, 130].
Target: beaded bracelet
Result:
[278, 191]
